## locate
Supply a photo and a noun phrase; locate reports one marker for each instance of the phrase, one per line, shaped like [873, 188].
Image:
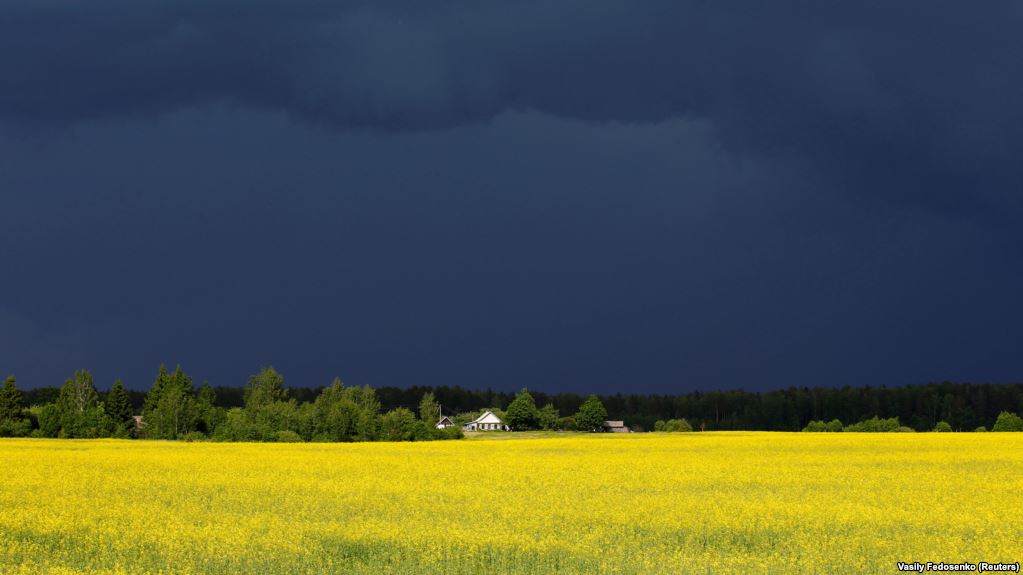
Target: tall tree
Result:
[10, 401]
[118, 406]
[591, 414]
[429, 409]
[78, 394]
[156, 391]
[264, 388]
[78, 408]
[209, 415]
[169, 411]
[549, 417]
[346, 413]
[522, 413]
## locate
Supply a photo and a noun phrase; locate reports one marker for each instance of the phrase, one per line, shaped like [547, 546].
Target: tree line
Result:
[963, 406]
[174, 408]
[1006, 421]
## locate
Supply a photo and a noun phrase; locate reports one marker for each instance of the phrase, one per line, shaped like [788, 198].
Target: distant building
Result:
[139, 424]
[444, 423]
[486, 422]
[615, 427]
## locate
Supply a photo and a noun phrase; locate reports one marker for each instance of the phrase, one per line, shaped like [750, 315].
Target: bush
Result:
[981, 429]
[1008, 422]
[673, 426]
[49, 420]
[15, 428]
[815, 426]
[943, 427]
[905, 429]
[399, 425]
[288, 436]
[235, 427]
[122, 431]
[875, 425]
[834, 426]
[193, 436]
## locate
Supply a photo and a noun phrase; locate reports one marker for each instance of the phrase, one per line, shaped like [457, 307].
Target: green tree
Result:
[549, 417]
[81, 414]
[429, 410]
[235, 427]
[275, 417]
[12, 420]
[591, 414]
[1008, 422]
[48, 417]
[834, 426]
[118, 408]
[10, 401]
[522, 413]
[208, 414]
[943, 426]
[336, 415]
[367, 428]
[170, 410]
[156, 391]
[264, 388]
[78, 393]
[399, 425]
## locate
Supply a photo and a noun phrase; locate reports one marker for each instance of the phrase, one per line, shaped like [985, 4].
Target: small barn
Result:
[615, 427]
[486, 422]
[445, 423]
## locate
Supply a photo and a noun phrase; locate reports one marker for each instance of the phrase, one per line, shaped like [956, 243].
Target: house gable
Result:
[486, 422]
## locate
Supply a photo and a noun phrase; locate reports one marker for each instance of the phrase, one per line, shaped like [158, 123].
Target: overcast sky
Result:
[582, 195]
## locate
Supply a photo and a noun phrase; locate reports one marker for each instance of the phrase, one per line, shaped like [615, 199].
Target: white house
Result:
[486, 422]
[445, 423]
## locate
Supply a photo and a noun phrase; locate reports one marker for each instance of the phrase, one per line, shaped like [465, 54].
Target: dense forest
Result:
[265, 408]
[964, 406]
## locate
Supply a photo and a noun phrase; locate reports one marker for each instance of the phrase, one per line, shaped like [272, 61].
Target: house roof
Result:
[614, 424]
[487, 417]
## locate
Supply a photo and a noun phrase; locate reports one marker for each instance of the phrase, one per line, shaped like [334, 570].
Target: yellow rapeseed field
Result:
[641, 503]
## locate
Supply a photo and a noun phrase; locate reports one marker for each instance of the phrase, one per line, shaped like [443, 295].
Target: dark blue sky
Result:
[591, 195]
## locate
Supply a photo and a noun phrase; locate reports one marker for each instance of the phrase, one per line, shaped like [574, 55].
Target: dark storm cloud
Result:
[530, 250]
[406, 65]
[877, 92]
[576, 194]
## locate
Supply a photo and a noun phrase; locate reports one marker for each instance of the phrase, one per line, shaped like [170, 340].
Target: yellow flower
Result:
[641, 503]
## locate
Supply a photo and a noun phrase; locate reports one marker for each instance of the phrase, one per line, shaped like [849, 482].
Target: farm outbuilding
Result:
[444, 423]
[615, 427]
